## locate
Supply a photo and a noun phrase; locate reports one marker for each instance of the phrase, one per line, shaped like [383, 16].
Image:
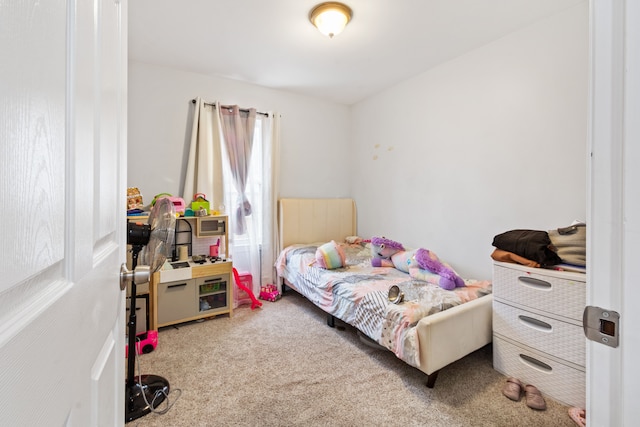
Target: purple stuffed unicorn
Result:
[442, 274]
[382, 250]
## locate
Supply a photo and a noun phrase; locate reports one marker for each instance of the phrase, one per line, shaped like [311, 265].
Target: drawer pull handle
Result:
[535, 363]
[217, 279]
[535, 323]
[179, 285]
[535, 283]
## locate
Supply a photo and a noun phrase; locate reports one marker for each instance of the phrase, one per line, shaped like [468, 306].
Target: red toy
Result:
[254, 302]
[269, 293]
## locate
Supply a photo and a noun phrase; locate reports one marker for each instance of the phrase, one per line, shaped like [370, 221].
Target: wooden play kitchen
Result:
[193, 286]
[197, 288]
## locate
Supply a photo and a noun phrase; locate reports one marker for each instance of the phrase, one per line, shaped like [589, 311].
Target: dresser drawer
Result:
[561, 382]
[560, 339]
[559, 293]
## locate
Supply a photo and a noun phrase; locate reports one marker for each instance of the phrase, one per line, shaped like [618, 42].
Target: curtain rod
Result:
[193, 101]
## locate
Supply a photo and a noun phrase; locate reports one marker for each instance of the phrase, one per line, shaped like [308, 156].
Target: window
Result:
[254, 192]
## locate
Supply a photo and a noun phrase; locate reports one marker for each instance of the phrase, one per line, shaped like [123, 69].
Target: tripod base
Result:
[153, 388]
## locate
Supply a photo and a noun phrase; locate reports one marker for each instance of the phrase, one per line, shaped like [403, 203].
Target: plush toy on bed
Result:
[382, 249]
[405, 260]
[330, 256]
[432, 270]
[421, 264]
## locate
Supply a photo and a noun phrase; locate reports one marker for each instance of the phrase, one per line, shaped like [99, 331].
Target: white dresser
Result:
[537, 329]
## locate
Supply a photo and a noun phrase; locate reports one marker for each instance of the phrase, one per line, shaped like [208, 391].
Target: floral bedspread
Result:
[357, 294]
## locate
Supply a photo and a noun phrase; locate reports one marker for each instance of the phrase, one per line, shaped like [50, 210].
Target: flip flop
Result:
[513, 389]
[579, 416]
[534, 398]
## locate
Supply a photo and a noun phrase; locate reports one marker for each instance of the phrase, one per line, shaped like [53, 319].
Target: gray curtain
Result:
[238, 127]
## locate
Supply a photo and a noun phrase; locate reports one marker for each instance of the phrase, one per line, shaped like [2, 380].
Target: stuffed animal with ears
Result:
[382, 250]
[432, 270]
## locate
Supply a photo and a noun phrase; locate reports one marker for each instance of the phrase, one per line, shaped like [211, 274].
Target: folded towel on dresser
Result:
[571, 243]
[505, 256]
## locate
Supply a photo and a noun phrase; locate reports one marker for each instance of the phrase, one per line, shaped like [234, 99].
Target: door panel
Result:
[108, 79]
[32, 130]
[103, 374]
[62, 180]
[614, 237]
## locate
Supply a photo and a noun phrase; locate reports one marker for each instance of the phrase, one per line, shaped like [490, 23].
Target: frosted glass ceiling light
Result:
[330, 18]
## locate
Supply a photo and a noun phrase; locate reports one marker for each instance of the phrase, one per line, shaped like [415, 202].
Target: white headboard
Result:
[315, 220]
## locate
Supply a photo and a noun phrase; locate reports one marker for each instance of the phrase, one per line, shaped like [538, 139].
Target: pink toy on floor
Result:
[269, 293]
[146, 342]
[254, 301]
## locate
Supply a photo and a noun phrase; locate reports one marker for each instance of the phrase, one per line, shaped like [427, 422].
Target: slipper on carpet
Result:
[579, 416]
[512, 389]
[534, 398]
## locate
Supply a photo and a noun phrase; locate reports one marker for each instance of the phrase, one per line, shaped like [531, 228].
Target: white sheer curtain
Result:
[204, 167]
[271, 193]
[254, 190]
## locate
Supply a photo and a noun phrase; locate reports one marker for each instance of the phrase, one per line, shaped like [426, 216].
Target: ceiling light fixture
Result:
[330, 18]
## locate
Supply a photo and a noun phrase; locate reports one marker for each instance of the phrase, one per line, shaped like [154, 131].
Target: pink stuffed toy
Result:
[445, 277]
[382, 250]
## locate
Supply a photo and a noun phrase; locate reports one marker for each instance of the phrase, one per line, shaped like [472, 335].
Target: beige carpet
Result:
[281, 365]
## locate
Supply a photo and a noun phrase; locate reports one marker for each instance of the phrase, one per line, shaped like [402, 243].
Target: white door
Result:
[613, 374]
[62, 186]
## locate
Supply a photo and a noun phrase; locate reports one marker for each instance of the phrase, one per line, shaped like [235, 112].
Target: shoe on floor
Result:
[513, 389]
[534, 398]
[579, 416]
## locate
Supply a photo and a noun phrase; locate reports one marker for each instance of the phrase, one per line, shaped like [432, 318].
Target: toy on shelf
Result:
[199, 203]
[134, 198]
[178, 202]
[269, 293]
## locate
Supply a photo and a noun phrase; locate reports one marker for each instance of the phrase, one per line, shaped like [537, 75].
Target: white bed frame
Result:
[443, 337]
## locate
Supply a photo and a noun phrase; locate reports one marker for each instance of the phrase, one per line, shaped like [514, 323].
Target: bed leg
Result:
[431, 379]
[331, 321]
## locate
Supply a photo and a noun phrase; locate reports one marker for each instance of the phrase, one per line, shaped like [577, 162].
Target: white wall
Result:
[492, 141]
[314, 133]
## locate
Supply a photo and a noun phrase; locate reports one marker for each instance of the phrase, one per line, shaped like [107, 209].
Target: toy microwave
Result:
[210, 226]
[178, 202]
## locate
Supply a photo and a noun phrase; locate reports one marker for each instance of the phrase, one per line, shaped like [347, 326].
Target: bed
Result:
[431, 329]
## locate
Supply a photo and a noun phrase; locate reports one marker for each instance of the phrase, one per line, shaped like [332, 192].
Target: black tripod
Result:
[148, 391]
